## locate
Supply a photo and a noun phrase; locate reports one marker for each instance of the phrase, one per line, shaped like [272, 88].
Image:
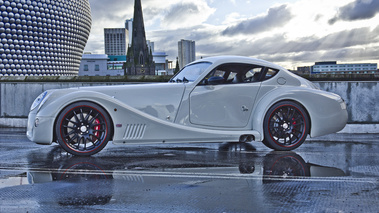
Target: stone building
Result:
[139, 57]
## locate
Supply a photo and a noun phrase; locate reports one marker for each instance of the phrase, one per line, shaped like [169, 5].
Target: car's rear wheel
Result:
[286, 126]
[83, 128]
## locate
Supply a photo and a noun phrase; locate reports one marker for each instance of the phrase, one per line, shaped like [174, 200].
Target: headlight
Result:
[38, 100]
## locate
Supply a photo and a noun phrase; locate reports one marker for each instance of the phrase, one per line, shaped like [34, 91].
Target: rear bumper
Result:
[332, 121]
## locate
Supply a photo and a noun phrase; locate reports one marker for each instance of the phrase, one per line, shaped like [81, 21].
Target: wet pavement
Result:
[320, 176]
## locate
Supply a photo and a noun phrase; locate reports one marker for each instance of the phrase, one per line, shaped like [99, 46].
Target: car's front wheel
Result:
[83, 128]
[286, 126]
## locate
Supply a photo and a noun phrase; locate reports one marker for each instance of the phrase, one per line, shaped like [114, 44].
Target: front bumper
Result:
[40, 128]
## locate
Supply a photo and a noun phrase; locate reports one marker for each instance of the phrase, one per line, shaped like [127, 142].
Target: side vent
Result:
[134, 131]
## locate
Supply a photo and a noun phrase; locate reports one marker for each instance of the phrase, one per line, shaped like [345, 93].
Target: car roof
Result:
[217, 60]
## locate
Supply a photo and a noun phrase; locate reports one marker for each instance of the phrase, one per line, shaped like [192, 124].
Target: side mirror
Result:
[215, 80]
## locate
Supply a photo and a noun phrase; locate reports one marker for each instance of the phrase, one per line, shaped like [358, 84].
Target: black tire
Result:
[286, 126]
[277, 166]
[83, 128]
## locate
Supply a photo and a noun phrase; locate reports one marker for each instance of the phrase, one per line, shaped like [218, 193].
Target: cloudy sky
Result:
[287, 32]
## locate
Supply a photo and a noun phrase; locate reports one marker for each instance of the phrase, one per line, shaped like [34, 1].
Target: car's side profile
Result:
[216, 99]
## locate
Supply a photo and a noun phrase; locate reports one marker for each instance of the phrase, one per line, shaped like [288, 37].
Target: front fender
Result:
[56, 104]
[325, 109]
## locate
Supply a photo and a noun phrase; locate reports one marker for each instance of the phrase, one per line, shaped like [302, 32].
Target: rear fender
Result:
[323, 108]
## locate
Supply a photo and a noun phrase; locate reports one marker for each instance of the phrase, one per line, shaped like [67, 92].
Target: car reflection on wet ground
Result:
[226, 177]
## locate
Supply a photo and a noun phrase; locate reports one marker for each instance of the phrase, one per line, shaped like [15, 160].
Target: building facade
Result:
[186, 52]
[43, 37]
[129, 28]
[162, 65]
[331, 67]
[304, 70]
[116, 41]
[97, 65]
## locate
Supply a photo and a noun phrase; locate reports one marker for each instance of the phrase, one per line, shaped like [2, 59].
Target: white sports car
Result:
[216, 99]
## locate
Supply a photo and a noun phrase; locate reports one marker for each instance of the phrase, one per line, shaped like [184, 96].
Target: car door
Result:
[228, 103]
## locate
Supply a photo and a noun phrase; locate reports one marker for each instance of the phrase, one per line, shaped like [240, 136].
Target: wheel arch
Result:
[299, 103]
[264, 105]
[294, 136]
[83, 100]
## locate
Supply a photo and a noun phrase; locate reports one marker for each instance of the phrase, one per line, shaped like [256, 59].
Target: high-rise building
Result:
[43, 37]
[139, 57]
[129, 27]
[116, 41]
[150, 45]
[186, 52]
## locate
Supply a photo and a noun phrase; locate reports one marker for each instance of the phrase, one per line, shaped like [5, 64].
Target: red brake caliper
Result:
[96, 128]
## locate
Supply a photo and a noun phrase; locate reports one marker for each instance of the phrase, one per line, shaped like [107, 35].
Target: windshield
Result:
[190, 73]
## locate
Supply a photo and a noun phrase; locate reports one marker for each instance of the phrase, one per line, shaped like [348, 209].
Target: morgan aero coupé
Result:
[215, 99]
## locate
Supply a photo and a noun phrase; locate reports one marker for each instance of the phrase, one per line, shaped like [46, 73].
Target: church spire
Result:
[139, 58]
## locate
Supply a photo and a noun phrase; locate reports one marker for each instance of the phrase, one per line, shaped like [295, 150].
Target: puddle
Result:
[11, 181]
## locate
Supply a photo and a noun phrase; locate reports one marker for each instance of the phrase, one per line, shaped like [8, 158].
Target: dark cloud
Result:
[347, 45]
[357, 10]
[278, 44]
[184, 15]
[96, 46]
[111, 10]
[167, 40]
[345, 54]
[117, 11]
[180, 10]
[276, 17]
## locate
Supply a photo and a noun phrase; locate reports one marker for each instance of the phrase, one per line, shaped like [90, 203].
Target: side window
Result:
[253, 75]
[231, 77]
[236, 73]
[214, 73]
[218, 73]
[270, 73]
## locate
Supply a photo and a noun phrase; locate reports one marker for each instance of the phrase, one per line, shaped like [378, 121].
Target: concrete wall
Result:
[16, 98]
[362, 99]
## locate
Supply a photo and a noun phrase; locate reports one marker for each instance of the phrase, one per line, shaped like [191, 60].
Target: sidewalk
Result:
[353, 133]
[348, 137]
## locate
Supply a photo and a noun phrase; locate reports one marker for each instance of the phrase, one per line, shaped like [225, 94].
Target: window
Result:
[271, 73]
[235, 73]
[97, 67]
[191, 72]
[218, 73]
[85, 67]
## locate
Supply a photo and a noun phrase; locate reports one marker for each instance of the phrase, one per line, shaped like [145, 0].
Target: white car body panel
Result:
[209, 108]
[189, 112]
[159, 100]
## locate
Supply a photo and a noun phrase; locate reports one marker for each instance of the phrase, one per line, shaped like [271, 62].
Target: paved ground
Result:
[320, 176]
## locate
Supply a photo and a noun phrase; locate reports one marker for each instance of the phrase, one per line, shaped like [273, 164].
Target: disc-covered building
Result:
[43, 37]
